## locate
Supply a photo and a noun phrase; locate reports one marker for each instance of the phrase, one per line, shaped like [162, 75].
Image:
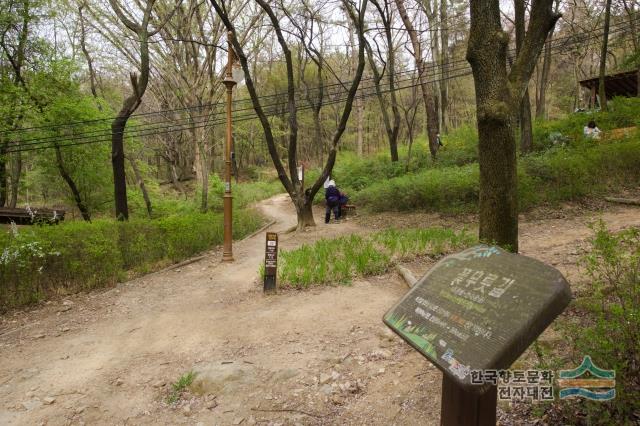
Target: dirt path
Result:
[313, 357]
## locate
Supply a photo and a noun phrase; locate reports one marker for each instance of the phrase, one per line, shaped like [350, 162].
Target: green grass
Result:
[178, 387]
[340, 260]
[38, 261]
[556, 175]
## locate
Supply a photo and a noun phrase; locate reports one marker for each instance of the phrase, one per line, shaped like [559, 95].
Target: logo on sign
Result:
[587, 381]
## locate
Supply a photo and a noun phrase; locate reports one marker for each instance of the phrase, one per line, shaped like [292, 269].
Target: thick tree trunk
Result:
[498, 95]
[143, 188]
[15, 179]
[498, 206]
[117, 163]
[84, 211]
[304, 212]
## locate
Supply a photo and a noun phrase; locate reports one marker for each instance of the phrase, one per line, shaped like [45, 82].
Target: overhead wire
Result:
[614, 28]
[192, 122]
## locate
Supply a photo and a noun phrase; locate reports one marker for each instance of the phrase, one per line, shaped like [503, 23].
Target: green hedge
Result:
[559, 174]
[42, 260]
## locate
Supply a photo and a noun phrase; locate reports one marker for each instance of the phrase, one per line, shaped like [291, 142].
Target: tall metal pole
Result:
[229, 82]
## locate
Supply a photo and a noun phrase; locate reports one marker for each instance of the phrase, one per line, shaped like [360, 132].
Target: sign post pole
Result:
[463, 408]
[270, 262]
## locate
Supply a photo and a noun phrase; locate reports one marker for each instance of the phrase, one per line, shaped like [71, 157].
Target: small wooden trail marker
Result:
[473, 311]
[270, 262]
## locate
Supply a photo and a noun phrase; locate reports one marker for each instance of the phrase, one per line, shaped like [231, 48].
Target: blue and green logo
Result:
[587, 381]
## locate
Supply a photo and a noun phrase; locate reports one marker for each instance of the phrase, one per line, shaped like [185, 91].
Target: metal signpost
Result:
[475, 311]
[270, 262]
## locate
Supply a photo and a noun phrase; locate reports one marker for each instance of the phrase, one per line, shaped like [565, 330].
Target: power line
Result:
[148, 130]
[614, 29]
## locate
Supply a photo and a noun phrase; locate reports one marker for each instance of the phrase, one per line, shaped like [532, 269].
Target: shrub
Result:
[559, 174]
[74, 256]
[610, 332]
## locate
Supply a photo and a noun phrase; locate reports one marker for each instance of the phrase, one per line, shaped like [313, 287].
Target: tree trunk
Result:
[524, 115]
[498, 95]
[84, 211]
[143, 188]
[498, 206]
[526, 127]
[541, 98]
[360, 125]
[3, 173]
[444, 55]
[304, 212]
[427, 95]
[117, 163]
[603, 57]
[15, 179]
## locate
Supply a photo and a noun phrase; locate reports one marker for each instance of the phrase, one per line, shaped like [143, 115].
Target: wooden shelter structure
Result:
[619, 84]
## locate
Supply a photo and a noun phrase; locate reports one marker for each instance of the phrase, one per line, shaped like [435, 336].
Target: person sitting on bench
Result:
[332, 197]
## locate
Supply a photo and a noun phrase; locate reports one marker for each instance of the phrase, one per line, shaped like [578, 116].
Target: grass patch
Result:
[38, 261]
[178, 387]
[342, 259]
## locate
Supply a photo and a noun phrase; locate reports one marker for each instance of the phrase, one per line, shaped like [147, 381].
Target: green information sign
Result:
[479, 310]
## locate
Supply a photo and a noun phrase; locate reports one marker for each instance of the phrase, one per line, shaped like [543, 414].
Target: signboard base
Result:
[270, 284]
[460, 407]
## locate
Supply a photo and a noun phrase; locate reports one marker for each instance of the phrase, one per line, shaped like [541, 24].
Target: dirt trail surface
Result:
[321, 356]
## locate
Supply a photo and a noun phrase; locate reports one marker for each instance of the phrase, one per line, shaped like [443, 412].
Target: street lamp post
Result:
[229, 82]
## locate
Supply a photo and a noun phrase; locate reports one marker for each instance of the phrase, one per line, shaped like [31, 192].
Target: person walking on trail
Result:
[333, 199]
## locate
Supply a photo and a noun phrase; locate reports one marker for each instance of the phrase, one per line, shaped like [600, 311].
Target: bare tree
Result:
[541, 92]
[392, 128]
[603, 57]
[427, 95]
[498, 95]
[132, 102]
[526, 130]
[302, 197]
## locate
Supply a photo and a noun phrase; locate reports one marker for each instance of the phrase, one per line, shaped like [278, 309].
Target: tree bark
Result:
[498, 95]
[603, 57]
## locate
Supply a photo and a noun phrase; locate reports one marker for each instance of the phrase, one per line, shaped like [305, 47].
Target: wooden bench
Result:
[347, 209]
[30, 216]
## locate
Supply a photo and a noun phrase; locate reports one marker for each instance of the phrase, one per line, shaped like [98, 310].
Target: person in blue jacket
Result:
[332, 197]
